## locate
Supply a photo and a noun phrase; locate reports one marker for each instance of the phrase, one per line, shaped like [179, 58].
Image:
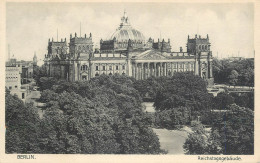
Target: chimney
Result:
[75, 34]
[85, 35]
[70, 36]
[180, 49]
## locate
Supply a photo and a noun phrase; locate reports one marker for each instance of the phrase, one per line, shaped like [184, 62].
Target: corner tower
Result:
[200, 48]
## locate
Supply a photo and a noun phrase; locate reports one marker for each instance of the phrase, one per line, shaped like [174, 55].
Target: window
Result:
[15, 86]
[123, 67]
[187, 65]
[104, 67]
[116, 67]
[191, 66]
[110, 67]
[10, 87]
[96, 67]
[22, 95]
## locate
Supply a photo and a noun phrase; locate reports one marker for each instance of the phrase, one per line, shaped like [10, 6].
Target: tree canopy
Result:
[239, 72]
[103, 115]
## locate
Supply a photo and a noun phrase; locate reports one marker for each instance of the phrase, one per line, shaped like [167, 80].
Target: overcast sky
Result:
[230, 26]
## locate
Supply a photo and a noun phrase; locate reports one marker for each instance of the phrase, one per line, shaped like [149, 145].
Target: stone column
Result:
[79, 72]
[154, 69]
[75, 71]
[142, 71]
[148, 70]
[165, 69]
[210, 69]
[196, 66]
[133, 70]
[137, 71]
[159, 69]
[129, 67]
[119, 69]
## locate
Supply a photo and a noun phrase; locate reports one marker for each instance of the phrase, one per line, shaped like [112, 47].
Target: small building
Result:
[13, 81]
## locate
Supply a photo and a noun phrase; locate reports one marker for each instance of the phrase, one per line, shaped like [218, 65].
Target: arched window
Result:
[206, 47]
[199, 47]
[202, 47]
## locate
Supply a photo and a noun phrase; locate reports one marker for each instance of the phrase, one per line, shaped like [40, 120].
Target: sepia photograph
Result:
[129, 78]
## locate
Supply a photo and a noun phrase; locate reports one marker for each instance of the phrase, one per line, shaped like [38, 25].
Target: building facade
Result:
[127, 52]
[17, 74]
[13, 81]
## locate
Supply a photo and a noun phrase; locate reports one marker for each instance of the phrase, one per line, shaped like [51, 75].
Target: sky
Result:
[230, 26]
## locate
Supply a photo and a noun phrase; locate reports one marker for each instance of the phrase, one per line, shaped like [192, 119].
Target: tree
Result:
[46, 83]
[171, 118]
[39, 72]
[222, 100]
[236, 129]
[183, 90]
[202, 142]
[106, 117]
[233, 77]
[22, 126]
[244, 99]
[222, 70]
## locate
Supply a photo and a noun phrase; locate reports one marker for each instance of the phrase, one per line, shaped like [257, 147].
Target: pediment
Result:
[151, 55]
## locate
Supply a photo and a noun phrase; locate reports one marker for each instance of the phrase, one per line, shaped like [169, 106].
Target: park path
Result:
[33, 97]
[170, 140]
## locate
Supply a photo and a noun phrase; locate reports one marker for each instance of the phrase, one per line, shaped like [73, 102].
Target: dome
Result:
[126, 32]
[122, 35]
